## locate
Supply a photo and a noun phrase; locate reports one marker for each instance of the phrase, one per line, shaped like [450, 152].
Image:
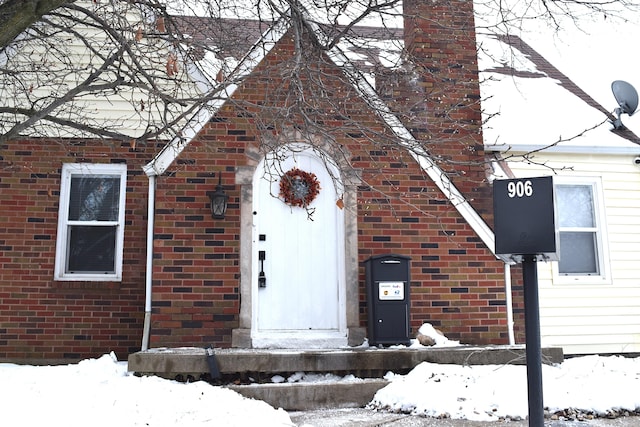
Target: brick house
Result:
[400, 169]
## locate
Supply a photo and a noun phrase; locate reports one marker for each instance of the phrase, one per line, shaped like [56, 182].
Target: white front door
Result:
[298, 259]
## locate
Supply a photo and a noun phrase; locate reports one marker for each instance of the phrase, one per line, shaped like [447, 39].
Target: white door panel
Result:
[303, 262]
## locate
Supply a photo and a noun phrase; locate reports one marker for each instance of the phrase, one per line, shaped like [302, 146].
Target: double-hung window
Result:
[581, 228]
[91, 222]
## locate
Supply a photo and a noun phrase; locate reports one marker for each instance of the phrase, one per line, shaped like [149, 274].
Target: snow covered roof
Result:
[541, 89]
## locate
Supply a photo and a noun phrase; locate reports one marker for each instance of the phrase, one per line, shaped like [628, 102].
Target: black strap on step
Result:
[214, 370]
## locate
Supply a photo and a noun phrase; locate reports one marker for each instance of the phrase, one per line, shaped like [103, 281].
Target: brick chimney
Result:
[443, 95]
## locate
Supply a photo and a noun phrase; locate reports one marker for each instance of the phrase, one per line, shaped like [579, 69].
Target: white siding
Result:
[129, 111]
[595, 316]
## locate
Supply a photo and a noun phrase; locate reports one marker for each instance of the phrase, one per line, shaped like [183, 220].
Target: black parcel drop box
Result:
[388, 281]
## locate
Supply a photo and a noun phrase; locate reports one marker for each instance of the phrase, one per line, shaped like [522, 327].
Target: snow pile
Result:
[100, 392]
[591, 384]
[482, 393]
[435, 336]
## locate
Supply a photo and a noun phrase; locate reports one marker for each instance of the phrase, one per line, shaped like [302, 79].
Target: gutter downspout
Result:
[509, 302]
[151, 200]
[501, 170]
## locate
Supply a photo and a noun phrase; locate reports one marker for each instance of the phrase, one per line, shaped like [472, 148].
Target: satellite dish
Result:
[627, 98]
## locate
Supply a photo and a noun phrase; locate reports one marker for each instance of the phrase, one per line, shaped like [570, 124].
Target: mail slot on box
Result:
[388, 281]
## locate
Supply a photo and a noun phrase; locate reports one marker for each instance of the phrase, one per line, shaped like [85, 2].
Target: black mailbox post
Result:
[525, 231]
[388, 280]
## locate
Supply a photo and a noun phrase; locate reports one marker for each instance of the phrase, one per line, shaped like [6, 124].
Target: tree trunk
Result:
[18, 15]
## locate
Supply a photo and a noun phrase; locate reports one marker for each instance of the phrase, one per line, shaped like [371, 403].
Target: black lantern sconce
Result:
[218, 200]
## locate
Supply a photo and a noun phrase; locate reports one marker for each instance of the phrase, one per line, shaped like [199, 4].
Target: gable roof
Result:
[366, 91]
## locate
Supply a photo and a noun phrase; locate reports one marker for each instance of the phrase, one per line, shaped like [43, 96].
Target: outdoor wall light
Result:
[218, 200]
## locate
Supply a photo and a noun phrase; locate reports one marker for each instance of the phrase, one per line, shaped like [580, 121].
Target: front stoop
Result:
[256, 367]
[361, 362]
[312, 396]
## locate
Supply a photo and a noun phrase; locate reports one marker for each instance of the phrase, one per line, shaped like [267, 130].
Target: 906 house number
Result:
[519, 189]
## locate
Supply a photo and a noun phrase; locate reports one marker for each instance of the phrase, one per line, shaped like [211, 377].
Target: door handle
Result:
[262, 279]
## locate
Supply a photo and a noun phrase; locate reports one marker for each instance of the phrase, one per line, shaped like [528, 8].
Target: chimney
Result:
[444, 93]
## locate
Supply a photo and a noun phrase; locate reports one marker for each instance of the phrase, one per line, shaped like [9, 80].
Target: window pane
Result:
[91, 249]
[94, 198]
[575, 206]
[578, 253]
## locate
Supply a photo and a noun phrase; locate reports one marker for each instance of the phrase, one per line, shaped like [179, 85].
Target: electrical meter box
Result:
[525, 218]
[388, 280]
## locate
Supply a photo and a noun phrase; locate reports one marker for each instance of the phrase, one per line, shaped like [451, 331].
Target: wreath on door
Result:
[299, 188]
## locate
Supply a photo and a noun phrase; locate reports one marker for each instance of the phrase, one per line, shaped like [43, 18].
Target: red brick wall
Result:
[45, 319]
[196, 258]
[456, 284]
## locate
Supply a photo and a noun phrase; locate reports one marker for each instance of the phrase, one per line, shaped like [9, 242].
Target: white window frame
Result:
[62, 240]
[604, 275]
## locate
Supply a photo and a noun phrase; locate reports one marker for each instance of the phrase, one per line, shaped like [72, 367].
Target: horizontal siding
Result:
[582, 321]
[591, 316]
[598, 344]
[124, 111]
[589, 296]
[590, 292]
[620, 233]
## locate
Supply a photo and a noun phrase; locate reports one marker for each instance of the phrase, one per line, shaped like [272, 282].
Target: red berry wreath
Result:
[299, 188]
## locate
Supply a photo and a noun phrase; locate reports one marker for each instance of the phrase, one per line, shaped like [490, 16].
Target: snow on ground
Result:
[591, 384]
[100, 392]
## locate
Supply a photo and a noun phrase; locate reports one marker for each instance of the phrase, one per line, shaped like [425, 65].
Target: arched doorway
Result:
[310, 299]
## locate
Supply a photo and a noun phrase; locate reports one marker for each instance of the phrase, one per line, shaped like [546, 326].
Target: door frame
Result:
[244, 336]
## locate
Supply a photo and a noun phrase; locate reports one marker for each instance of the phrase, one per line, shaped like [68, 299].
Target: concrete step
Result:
[312, 396]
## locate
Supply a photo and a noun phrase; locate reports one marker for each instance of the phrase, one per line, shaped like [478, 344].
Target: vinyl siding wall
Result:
[130, 111]
[597, 315]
